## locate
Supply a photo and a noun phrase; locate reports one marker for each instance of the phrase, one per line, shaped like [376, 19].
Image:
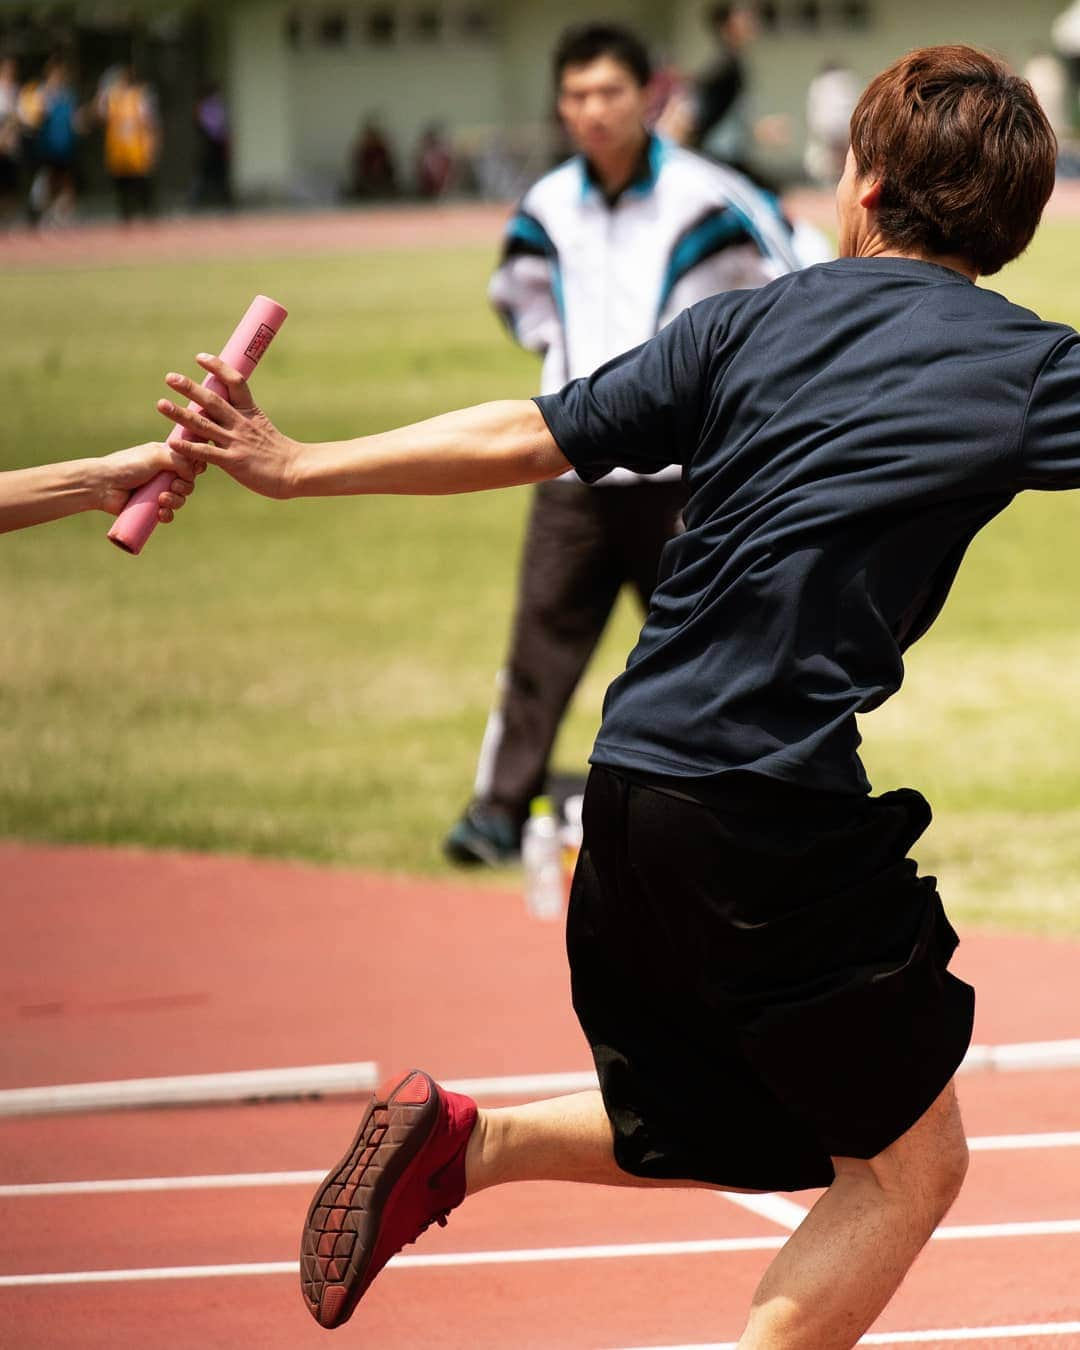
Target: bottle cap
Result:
[541, 806]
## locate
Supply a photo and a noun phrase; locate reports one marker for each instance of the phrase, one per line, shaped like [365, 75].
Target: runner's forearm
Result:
[492, 445]
[49, 491]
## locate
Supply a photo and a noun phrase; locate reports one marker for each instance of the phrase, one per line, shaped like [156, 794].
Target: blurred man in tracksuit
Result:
[601, 253]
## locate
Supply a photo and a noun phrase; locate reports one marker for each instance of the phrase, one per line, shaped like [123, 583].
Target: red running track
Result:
[126, 964]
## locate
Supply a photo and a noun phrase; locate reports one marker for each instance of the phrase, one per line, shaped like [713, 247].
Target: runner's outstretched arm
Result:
[50, 491]
[491, 445]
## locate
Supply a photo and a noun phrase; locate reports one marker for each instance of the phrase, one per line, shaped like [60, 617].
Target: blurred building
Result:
[300, 75]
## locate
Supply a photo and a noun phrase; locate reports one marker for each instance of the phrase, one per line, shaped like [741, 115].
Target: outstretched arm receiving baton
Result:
[492, 445]
[243, 351]
[51, 491]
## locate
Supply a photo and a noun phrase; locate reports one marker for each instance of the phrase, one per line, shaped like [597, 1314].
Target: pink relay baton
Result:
[251, 337]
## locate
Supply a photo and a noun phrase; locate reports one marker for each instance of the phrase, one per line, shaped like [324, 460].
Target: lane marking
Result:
[923, 1337]
[780, 1210]
[192, 1089]
[1038, 1228]
[523, 1256]
[525, 1084]
[610, 1251]
[124, 1186]
[1023, 1057]
[786, 1212]
[988, 1143]
[321, 1080]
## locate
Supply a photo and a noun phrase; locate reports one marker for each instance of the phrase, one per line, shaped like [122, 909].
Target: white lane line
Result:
[775, 1207]
[1022, 1057]
[335, 1079]
[923, 1337]
[155, 1273]
[1011, 1058]
[128, 1185]
[1037, 1228]
[989, 1143]
[611, 1251]
[785, 1212]
[192, 1089]
[524, 1084]
[526, 1255]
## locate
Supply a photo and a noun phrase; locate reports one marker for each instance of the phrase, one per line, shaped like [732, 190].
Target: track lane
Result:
[565, 1306]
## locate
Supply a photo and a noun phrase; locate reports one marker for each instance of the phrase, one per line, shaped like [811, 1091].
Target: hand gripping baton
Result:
[251, 337]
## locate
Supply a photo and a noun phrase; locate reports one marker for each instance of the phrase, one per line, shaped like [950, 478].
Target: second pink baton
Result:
[251, 337]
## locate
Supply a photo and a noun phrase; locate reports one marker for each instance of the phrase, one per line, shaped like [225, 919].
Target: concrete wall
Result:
[297, 104]
[259, 85]
[297, 100]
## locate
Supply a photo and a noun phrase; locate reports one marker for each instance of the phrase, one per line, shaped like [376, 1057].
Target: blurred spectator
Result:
[128, 108]
[830, 101]
[50, 114]
[601, 253]
[721, 127]
[211, 186]
[1046, 74]
[10, 137]
[434, 162]
[373, 171]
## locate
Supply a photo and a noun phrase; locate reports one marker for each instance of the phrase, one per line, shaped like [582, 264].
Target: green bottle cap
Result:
[541, 806]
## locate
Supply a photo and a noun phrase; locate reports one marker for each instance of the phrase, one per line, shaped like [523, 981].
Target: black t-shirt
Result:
[845, 431]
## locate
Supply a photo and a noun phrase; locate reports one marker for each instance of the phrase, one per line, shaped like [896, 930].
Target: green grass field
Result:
[311, 679]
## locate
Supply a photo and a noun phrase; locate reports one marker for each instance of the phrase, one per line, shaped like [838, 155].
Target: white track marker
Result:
[1018, 1058]
[786, 1212]
[775, 1207]
[1023, 1057]
[1037, 1228]
[131, 1185]
[994, 1143]
[192, 1089]
[524, 1085]
[947, 1334]
[348, 1079]
[524, 1256]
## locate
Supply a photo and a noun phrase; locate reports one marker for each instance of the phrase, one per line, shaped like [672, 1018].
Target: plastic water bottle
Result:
[572, 833]
[541, 855]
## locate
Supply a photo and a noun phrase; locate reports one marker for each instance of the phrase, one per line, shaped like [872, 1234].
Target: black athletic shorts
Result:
[761, 975]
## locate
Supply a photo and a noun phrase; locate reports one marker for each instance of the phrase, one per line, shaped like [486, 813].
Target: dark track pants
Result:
[582, 545]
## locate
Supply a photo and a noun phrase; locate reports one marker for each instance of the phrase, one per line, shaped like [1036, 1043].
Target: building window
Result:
[380, 27]
[477, 24]
[427, 24]
[333, 29]
[783, 18]
[855, 14]
[810, 15]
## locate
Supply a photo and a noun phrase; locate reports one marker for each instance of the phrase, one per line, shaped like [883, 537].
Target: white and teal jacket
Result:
[583, 279]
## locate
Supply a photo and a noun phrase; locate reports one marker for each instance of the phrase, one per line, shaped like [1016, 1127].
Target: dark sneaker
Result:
[404, 1171]
[484, 834]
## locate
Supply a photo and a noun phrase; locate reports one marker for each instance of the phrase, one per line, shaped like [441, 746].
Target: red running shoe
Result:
[404, 1171]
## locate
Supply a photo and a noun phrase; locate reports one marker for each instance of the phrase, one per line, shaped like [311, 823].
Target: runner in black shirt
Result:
[760, 970]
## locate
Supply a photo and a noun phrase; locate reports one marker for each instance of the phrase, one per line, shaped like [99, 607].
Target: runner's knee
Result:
[925, 1167]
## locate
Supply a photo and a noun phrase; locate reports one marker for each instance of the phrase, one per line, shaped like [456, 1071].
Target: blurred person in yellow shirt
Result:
[128, 109]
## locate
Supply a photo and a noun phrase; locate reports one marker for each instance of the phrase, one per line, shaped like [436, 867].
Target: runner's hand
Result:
[233, 433]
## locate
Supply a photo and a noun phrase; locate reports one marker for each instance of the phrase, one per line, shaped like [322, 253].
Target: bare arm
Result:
[488, 446]
[50, 491]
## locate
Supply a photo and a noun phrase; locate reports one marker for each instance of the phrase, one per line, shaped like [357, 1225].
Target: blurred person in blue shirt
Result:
[49, 111]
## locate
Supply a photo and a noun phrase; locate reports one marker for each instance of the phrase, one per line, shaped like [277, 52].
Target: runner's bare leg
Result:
[561, 1139]
[847, 1259]
[836, 1272]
